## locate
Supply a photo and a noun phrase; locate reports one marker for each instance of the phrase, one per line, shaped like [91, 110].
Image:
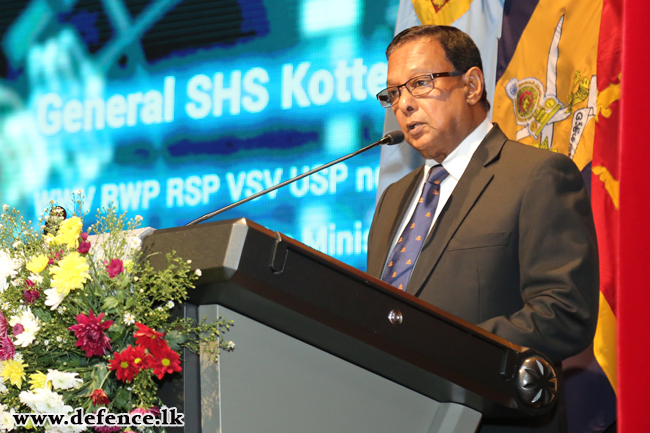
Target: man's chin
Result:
[421, 145]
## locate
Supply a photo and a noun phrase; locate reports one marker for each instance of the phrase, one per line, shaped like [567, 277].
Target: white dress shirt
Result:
[455, 163]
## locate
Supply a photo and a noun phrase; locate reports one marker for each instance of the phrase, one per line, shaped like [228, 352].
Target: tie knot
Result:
[437, 174]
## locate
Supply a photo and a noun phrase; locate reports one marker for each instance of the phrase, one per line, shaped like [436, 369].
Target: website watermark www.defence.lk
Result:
[169, 417]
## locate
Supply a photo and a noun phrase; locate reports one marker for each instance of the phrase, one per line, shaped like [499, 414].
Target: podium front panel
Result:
[273, 383]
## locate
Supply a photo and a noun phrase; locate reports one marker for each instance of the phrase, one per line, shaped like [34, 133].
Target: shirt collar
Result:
[457, 161]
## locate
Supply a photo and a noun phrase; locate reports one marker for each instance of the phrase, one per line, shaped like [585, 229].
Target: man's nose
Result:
[406, 102]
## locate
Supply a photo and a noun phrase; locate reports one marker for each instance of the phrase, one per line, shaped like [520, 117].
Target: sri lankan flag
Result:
[558, 89]
[557, 86]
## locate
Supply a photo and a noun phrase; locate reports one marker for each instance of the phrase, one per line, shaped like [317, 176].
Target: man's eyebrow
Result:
[415, 73]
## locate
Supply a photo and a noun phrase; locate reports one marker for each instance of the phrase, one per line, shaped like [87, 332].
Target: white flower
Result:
[129, 319]
[54, 299]
[134, 243]
[17, 244]
[66, 428]
[43, 400]
[5, 305]
[198, 272]
[3, 388]
[36, 278]
[8, 268]
[46, 342]
[6, 419]
[159, 308]
[30, 324]
[63, 380]
[231, 345]
[138, 218]
[59, 339]
[170, 304]
[18, 356]
[189, 261]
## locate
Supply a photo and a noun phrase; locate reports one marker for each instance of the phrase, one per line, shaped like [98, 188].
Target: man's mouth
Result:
[413, 126]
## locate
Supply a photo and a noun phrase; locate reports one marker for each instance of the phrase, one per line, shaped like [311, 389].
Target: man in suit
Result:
[507, 240]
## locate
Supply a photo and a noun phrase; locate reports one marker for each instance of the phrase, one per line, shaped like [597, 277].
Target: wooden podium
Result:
[322, 346]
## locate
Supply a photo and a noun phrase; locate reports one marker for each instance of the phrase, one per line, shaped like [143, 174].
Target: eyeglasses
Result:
[417, 86]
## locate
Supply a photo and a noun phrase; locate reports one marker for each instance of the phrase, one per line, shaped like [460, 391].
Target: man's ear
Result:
[474, 84]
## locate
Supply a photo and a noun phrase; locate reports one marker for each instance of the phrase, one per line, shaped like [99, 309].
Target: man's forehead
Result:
[416, 58]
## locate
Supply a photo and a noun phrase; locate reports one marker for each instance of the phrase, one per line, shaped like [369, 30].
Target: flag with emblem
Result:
[558, 80]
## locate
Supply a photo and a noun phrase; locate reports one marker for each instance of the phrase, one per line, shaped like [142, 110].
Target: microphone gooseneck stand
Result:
[391, 138]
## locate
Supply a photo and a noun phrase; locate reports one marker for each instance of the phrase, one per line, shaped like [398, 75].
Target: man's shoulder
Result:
[523, 156]
[407, 180]
[510, 150]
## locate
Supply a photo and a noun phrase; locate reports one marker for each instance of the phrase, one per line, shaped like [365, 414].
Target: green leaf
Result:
[121, 295]
[100, 371]
[122, 398]
[44, 315]
[75, 361]
[110, 303]
[175, 339]
[116, 331]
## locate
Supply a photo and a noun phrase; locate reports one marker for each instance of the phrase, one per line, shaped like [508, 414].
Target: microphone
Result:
[393, 137]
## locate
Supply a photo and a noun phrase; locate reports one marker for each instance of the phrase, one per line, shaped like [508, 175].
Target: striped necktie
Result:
[407, 249]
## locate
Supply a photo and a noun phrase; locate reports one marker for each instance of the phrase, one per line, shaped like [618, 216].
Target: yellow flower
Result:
[128, 265]
[38, 263]
[39, 380]
[69, 232]
[70, 273]
[14, 371]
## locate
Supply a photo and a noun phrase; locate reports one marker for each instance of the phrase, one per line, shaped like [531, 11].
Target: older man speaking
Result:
[495, 232]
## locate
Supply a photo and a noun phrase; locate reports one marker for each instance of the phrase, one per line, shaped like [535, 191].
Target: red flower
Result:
[29, 282]
[129, 362]
[84, 236]
[106, 428]
[99, 397]
[149, 339]
[18, 329]
[55, 257]
[3, 325]
[114, 268]
[84, 247]
[30, 296]
[7, 350]
[152, 410]
[89, 332]
[165, 361]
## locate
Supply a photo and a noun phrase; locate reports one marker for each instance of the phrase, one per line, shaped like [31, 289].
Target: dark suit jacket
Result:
[513, 250]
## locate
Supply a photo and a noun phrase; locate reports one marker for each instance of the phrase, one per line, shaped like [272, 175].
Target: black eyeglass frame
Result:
[386, 103]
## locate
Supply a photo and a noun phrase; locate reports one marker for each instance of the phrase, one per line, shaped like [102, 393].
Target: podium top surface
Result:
[308, 295]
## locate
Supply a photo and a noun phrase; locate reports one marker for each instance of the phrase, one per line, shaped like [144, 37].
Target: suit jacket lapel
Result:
[393, 215]
[470, 187]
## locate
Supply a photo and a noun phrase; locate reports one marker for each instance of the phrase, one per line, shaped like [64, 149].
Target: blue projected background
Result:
[173, 108]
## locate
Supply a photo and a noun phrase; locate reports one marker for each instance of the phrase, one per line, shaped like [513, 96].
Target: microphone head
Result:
[394, 137]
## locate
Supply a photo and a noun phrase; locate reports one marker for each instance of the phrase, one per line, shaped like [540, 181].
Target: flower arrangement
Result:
[88, 324]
